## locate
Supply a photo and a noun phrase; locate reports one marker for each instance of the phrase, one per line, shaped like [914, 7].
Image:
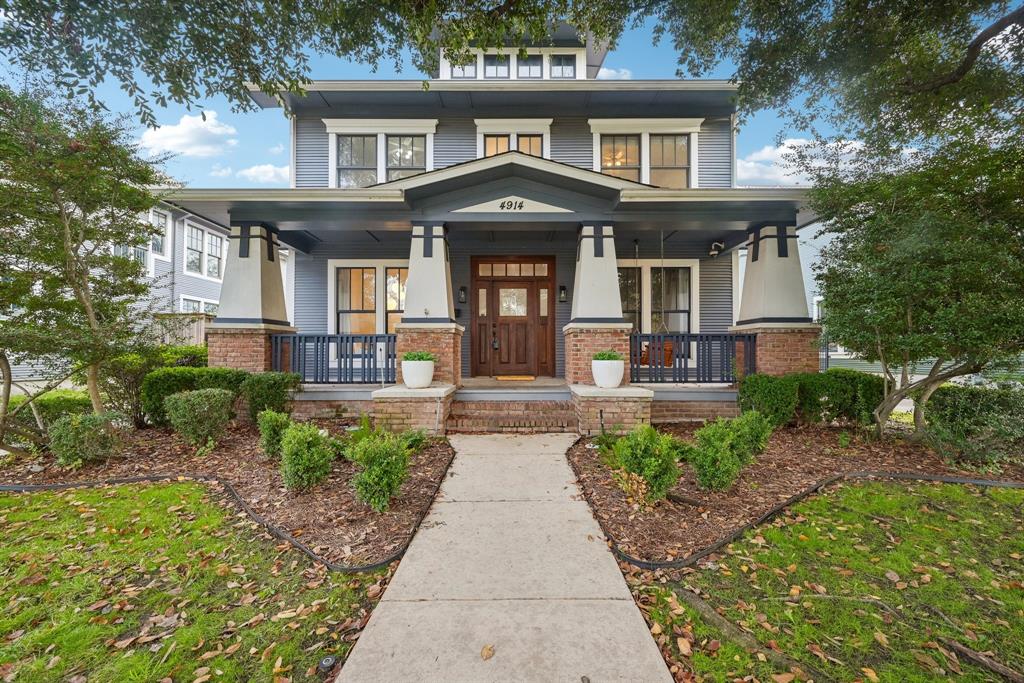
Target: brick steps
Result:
[523, 417]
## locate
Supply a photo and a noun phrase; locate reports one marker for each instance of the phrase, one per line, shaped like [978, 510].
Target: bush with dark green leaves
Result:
[774, 397]
[161, 383]
[751, 431]
[271, 425]
[200, 416]
[723, 447]
[79, 438]
[384, 462]
[184, 355]
[650, 455]
[269, 391]
[121, 377]
[52, 406]
[978, 426]
[306, 456]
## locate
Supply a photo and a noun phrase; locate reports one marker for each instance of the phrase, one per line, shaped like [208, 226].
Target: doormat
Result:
[515, 378]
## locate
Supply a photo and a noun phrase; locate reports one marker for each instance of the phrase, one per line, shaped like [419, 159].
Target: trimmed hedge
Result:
[774, 397]
[269, 391]
[164, 382]
[384, 459]
[272, 425]
[981, 426]
[52, 406]
[121, 377]
[76, 438]
[200, 416]
[651, 455]
[836, 394]
[725, 446]
[306, 456]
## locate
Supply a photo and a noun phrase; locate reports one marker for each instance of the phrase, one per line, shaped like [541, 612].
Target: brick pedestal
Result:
[399, 409]
[782, 350]
[240, 348]
[582, 341]
[444, 341]
[619, 410]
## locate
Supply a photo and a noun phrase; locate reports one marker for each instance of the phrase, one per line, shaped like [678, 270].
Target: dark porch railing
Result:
[336, 358]
[680, 357]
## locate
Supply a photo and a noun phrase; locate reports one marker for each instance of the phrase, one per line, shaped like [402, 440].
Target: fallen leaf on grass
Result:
[783, 678]
[882, 639]
[684, 647]
[870, 674]
[487, 652]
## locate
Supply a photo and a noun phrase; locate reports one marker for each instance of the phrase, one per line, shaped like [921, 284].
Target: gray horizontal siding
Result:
[454, 141]
[715, 294]
[714, 153]
[311, 153]
[572, 142]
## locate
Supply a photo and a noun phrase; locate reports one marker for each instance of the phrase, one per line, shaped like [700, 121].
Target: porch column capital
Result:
[252, 292]
[595, 296]
[773, 284]
[428, 291]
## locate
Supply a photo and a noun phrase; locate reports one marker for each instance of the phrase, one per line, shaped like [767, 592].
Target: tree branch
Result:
[970, 57]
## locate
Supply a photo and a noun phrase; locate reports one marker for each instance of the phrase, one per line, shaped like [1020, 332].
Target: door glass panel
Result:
[482, 298]
[543, 302]
[485, 269]
[513, 269]
[541, 269]
[527, 270]
[512, 302]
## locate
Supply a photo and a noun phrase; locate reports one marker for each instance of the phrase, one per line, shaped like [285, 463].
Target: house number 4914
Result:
[510, 205]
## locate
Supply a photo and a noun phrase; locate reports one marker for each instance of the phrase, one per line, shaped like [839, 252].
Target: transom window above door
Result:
[504, 270]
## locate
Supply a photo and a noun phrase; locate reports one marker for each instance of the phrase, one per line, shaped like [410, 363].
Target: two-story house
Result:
[513, 215]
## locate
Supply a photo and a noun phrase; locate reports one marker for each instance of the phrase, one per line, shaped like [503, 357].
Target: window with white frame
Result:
[465, 70]
[138, 253]
[357, 160]
[620, 156]
[563, 66]
[659, 296]
[407, 156]
[204, 252]
[530, 66]
[365, 152]
[196, 305]
[529, 136]
[368, 297]
[161, 220]
[496, 66]
[661, 152]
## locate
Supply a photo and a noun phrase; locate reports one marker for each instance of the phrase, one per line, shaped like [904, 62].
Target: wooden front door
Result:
[513, 316]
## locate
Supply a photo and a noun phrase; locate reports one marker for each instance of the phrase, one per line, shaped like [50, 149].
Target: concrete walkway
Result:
[509, 557]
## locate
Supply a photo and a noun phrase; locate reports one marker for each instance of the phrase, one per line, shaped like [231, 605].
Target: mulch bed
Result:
[795, 459]
[328, 518]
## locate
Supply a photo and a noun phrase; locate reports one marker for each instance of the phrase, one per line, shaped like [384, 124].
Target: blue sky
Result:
[251, 149]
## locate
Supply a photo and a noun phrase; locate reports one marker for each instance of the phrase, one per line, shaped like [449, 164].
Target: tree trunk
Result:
[92, 382]
[920, 425]
[5, 395]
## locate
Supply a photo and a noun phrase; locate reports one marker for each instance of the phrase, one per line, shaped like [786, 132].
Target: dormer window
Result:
[563, 66]
[496, 144]
[465, 71]
[530, 66]
[530, 144]
[496, 66]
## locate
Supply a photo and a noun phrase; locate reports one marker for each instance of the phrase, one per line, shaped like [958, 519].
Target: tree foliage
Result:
[74, 191]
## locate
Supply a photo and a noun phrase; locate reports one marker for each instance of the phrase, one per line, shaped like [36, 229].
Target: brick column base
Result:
[617, 410]
[242, 348]
[444, 341]
[583, 340]
[398, 409]
[782, 350]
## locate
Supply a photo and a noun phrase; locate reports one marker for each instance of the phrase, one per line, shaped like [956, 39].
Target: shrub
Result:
[774, 397]
[272, 425]
[384, 459]
[52, 406]
[979, 426]
[121, 377]
[865, 391]
[354, 437]
[79, 438]
[192, 356]
[200, 416]
[751, 432]
[306, 456]
[607, 355]
[269, 391]
[414, 440]
[649, 454]
[161, 383]
[419, 355]
[823, 396]
[724, 447]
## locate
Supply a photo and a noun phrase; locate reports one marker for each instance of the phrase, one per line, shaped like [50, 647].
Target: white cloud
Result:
[614, 74]
[219, 171]
[191, 137]
[767, 166]
[276, 149]
[266, 174]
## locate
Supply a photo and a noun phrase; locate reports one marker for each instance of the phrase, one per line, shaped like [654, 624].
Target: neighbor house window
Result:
[204, 252]
[357, 160]
[394, 293]
[191, 305]
[464, 71]
[407, 155]
[620, 156]
[496, 144]
[357, 300]
[670, 161]
[137, 253]
[563, 66]
[530, 66]
[530, 144]
[161, 221]
[496, 66]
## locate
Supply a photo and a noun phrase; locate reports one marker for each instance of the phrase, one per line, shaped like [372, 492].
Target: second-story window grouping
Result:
[620, 156]
[357, 160]
[406, 155]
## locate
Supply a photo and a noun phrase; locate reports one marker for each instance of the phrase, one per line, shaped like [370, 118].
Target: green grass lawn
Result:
[147, 582]
[867, 582]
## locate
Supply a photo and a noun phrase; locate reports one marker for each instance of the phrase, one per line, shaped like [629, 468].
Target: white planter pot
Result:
[608, 373]
[417, 374]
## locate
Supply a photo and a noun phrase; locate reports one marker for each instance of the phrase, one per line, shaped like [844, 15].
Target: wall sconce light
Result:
[462, 295]
[563, 294]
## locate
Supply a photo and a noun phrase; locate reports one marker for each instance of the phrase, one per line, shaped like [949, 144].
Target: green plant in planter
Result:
[607, 355]
[419, 355]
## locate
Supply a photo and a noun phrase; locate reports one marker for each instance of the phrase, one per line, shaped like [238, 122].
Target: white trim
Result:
[294, 153]
[168, 237]
[513, 128]
[332, 160]
[388, 126]
[645, 157]
[646, 304]
[738, 257]
[382, 157]
[380, 315]
[225, 246]
[694, 178]
[612, 126]
[202, 302]
[527, 85]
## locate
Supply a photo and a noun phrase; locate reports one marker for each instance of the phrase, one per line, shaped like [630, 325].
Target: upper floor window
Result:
[531, 144]
[464, 71]
[407, 156]
[670, 161]
[204, 252]
[357, 160]
[194, 305]
[530, 66]
[496, 144]
[496, 66]
[563, 66]
[620, 156]
[161, 221]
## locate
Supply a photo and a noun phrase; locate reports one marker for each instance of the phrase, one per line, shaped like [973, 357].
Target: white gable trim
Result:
[609, 126]
[386, 126]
